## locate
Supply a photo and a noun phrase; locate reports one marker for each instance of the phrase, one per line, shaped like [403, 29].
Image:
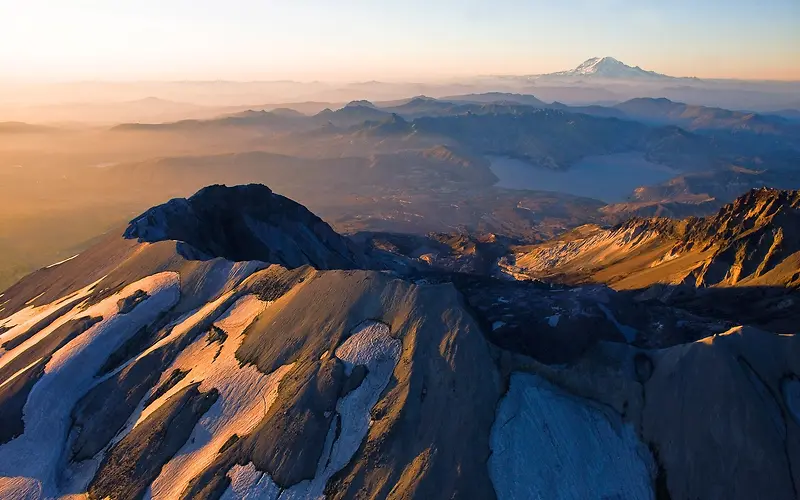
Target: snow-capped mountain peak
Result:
[608, 67]
[590, 66]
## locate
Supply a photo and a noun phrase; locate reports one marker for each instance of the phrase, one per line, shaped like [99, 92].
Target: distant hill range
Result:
[692, 117]
[23, 128]
[553, 135]
[598, 80]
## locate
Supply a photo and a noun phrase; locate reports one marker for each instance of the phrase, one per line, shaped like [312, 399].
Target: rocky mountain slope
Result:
[247, 223]
[753, 240]
[742, 264]
[720, 186]
[155, 366]
[703, 193]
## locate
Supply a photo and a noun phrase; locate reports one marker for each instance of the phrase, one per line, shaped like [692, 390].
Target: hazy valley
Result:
[412, 165]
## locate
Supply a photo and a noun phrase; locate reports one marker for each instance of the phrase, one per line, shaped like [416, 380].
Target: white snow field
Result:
[371, 344]
[245, 396]
[33, 459]
[78, 476]
[549, 445]
[24, 319]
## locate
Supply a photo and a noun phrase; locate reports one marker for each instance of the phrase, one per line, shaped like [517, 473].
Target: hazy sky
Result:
[391, 39]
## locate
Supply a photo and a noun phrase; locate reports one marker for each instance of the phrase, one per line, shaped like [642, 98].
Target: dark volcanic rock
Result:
[355, 379]
[176, 376]
[13, 397]
[247, 223]
[131, 347]
[127, 304]
[57, 339]
[38, 327]
[558, 324]
[133, 463]
[751, 236]
[102, 412]
[289, 442]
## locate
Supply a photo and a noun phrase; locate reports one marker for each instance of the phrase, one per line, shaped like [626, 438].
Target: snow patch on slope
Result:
[24, 319]
[61, 261]
[372, 345]
[82, 473]
[245, 396]
[248, 483]
[587, 67]
[549, 445]
[36, 455]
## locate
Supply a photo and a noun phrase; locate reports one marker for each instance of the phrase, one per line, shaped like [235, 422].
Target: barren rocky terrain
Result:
[232, 345]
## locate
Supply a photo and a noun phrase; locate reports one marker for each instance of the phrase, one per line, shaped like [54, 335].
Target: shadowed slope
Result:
[247, 223]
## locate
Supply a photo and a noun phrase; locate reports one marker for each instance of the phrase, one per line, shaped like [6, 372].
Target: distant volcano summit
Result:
[608, 67]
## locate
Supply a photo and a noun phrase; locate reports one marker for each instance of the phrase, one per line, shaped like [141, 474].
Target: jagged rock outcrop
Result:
[754, 240]
[247, 223]
[749, 238]
[588, 248]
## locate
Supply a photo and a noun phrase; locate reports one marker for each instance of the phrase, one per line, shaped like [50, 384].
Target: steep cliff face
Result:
[754, 240]
[247, 223]
[588, 250]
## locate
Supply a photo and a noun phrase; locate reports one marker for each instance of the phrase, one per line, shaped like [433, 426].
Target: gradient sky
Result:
[391, 39]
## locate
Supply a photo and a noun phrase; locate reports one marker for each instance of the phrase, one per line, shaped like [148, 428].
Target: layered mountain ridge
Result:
[752, 240]
[156, 365]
